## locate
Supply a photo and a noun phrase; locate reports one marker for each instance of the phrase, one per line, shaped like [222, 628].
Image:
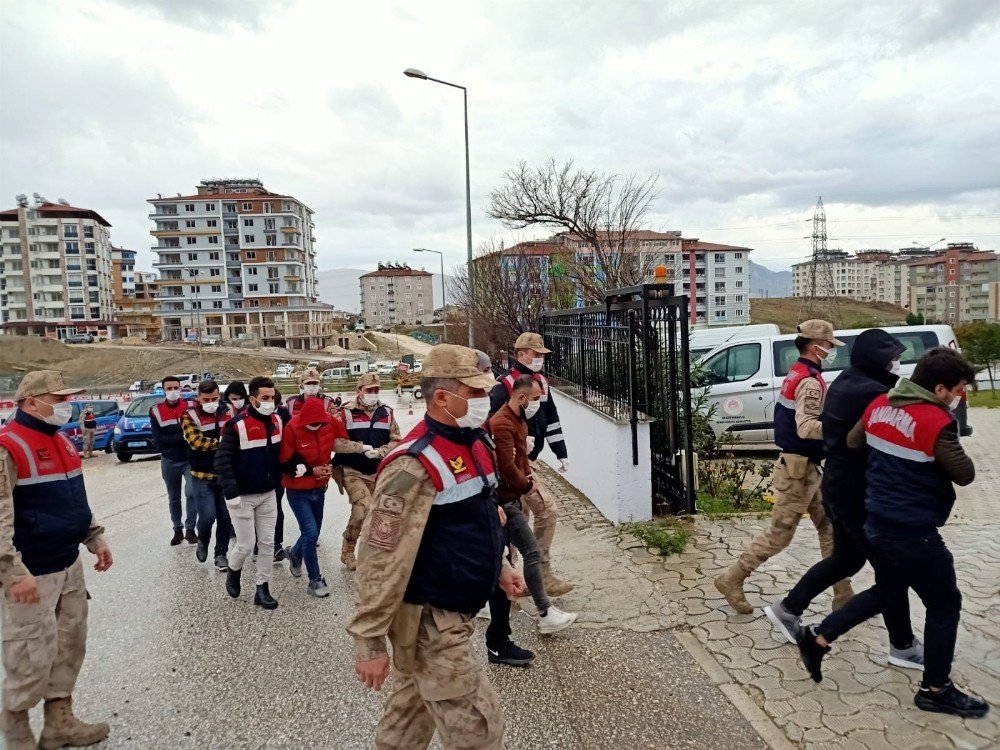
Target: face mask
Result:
[312, 389]
[211, 407]
[475, 415]
[265, 407]
[61, 414]
[955, 402]
[239, 403]
[537, 364]
[369, 399]
[313, 427]
[172, 396]
[532, 409]
[894, 367]
[831, 355]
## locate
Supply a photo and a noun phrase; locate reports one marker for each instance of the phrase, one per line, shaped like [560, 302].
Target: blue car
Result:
[132, 434]
[106, 412]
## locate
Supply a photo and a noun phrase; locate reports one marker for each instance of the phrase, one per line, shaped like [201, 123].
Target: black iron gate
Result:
[628, 358]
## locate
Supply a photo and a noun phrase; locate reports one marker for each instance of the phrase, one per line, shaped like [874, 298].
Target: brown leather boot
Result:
[347, 555]
[554, 586]
[730, 585]
[17, 731]
[842, 594]
[62, 728]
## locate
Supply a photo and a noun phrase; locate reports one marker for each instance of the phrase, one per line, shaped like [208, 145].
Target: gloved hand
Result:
[373, 453]
[531, 443]
[365, 447]
[234, 503]
[563, 465]
[300, 470]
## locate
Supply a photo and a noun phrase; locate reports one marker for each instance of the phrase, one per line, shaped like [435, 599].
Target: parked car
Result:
[132, 435]
[745, 375]
[106, 412]
[142, 385]
[79, 338]
[338, 373]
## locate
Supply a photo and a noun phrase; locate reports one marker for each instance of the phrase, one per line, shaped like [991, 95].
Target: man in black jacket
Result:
[543, 427]
[168, 438]
[873, 371]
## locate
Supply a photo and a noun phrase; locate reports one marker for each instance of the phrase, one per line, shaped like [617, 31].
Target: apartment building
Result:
[959, 285]
[122, 272]
[396, 294]
[135, 300]
[716, 277]
[237, 262]
[55, 270]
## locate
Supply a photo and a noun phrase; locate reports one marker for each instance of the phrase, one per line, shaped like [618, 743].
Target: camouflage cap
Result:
[368, 380]
[309, 376]
[40, 382]
[531, 341]
[818, 329]
[458, 362]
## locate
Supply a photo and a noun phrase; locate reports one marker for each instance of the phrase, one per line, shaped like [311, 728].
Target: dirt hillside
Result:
[787, 313]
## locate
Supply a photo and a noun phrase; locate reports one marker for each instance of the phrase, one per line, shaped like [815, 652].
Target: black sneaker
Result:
[950, 700]
[190, 536]
[201, 552]
[811, 652]
[279, 554]
[510, 654]
[177, 538]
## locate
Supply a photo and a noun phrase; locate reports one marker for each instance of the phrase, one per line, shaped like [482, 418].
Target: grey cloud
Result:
[212, 14]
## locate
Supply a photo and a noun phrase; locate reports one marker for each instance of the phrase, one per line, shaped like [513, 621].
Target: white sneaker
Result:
[555, 620]
[484, 613]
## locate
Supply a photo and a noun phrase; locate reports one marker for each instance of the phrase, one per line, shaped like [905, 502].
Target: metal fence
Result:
[628, 358]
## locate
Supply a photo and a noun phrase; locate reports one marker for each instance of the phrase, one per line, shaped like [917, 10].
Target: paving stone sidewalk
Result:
[862, 702]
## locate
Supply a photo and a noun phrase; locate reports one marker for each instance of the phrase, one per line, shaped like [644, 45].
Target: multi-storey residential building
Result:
[715, 277]
[396, 294]
[238, 262]
[134, 297]
[55, 270]
[123, 272]
[959, 285]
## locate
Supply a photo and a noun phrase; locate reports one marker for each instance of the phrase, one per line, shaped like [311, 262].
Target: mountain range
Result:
[767, 283]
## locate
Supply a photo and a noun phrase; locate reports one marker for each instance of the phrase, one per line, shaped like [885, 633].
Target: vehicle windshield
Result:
[140, 407]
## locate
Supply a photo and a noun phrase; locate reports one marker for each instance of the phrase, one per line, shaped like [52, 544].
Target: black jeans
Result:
[925, 565]
[850, 551]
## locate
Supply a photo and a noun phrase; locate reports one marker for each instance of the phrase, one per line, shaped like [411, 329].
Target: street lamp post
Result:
[444, 299]
[414, 73]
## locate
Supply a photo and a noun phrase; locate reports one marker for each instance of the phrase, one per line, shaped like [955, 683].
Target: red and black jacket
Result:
[311, 448]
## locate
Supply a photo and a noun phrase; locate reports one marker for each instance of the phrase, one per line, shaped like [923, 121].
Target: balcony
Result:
[290, 230]
[163, 211]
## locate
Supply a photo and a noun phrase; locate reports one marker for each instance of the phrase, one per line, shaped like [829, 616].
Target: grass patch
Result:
[724, 506]
[667, 535]
[987, 399]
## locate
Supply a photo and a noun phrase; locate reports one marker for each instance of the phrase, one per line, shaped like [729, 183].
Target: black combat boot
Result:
[233, 583]
[264, 599]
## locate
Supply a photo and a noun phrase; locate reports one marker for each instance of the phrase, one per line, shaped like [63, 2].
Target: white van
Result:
[703, 340]
[745, 375]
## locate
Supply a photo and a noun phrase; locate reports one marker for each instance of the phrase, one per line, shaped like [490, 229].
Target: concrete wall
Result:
[600, 461]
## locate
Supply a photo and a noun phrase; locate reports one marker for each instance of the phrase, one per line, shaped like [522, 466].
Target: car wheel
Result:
[417, 393]
[124, 457]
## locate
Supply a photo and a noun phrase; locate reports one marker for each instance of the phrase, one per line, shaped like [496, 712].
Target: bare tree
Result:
[600, 213]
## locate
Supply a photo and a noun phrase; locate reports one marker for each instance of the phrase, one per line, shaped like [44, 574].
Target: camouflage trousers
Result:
[44, 643]
[359, 492]
[88, 440]
[796, 484]
[540, 504]
[446, 690]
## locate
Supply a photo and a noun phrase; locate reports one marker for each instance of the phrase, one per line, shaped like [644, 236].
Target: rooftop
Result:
[395, 269]
[57, 211]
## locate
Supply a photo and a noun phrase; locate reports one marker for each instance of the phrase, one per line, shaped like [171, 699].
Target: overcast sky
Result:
[747, 111]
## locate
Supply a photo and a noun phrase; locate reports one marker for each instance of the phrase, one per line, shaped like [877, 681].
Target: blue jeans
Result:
[172, 471]
[212, 509]
[307, 505]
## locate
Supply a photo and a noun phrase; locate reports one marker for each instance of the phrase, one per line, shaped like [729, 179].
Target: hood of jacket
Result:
[236, 387]
[313, 411]
[874, 349]
[906, 392]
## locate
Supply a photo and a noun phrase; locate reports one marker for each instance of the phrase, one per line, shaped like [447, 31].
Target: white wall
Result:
[600, 461]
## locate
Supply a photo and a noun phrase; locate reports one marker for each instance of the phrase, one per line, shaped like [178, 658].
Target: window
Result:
[720, 302]
[248, 206]
[189, 207]
[229, 208]
[720, 286]
[91, 264]
[739, 312]
[192, 256]
[213, 240]
[71, 230]
[739, 256]
[252, 287]
[73, 247]
[951, 261]
[214, 255]
[248, 222]
[739, 269]
[720, 273]
[249, 239]
[192, 240]
[251, 255]
[215, 272]
[216, 289]
[217, 304]
[267, 208]
[252, 271]
[720, 314]
[189, 223]
[254, 303]
[739, 298]
[739, 284]
[272, 287]
[733, 365]
[271, 240]
[196, 305]
[94, 296]
[210, 207]
[720, 257]
[88, 232]
[212, 222]
[89, 247]
[272, 255]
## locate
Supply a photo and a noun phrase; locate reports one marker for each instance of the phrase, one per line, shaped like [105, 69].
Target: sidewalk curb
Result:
[770, 732]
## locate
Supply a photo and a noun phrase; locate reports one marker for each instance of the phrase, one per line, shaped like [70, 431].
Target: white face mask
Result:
[830, 355]
[955, 402]
[61, 414]
[894, 367]
[211, 407]
[311, 389]
[313, 427]
[239, 403]
[537, 364]
[369, 399]
[532, 409]
[265, 407]
[172, 396]
[476, 414]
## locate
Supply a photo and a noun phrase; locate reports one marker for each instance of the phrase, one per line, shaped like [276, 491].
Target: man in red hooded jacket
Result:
[306, 448]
